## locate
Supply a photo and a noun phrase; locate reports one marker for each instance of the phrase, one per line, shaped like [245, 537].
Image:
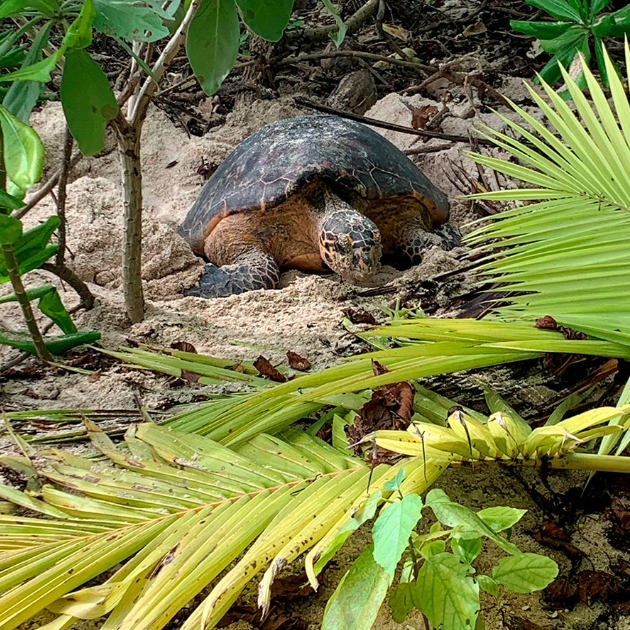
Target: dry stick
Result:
[13, 270]
[299, 100]
[412, 65]
[61, 196]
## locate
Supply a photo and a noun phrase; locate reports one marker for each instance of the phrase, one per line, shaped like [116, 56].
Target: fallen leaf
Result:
[421, 116]
[265, 368]
[518, 623]
[622, 512]
[598, 586]
[396, 31]
[475, 29]
[390, 407]
[297, 362]
[546, 323]
[183, 346]
[560, 594]
[359, 316]
[192, 377]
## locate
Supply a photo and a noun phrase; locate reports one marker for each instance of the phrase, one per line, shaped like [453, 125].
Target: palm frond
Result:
[566, 254]
[168, 512]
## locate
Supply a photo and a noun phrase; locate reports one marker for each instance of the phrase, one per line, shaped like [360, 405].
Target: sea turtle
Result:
[312, 193]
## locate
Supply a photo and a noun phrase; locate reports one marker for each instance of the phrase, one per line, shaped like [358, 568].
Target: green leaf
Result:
[488, 584]
[339, 36]
[15, 7]
[9, 202]
[23, 95]
[132, 20]
[392, 530]
[541, 30]
[10, 229]
[446, 594]
[88, 101]
[31, 249]
[23, 150]
[466, 548]
[525, 572]
[39, 71]
[51, 306]
[55, 345]
[598, 5]
[266, 19]
[402, 599]
[557, 8]
[468, 523]
[501, 518]
[394, 484]
[79, 34]
[212, 42]
[358, 597]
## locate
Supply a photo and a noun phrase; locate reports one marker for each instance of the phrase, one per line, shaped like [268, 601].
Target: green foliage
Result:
[564, 255]
[579, 24]
[266, 19]
[441, 584]
[22, 153]
[88, 101]
[340, 34]
[358, 597]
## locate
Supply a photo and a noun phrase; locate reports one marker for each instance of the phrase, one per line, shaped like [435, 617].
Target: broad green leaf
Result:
[394, 484]
[466, 548]
[88, 101]
[39, 71]
[50, 304]
[358, 597]
[559, 9]
[340, 35]
[31, 249]
[468, 523]
[10, 229]
[487, 584]
[212, 42]
[79, 34]
[501, 518]
[23, 150]
[55, 345]
[15, 7]
[392, 530]
[541, 30]
[402, 599]
[525, 572]
[446, 594]
[23, 95]
[9, 202]
[131, 20]
[266, 19]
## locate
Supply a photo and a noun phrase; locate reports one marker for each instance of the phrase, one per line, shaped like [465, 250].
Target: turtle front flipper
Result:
[251, 271]
[414, 240]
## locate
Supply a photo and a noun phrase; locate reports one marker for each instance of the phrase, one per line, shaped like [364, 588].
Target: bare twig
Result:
[46, 188]
[412, 65]
[66, 160]
[430, 148]
[385, 125]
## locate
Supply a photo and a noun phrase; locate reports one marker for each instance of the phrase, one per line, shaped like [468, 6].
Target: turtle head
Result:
[350, 244]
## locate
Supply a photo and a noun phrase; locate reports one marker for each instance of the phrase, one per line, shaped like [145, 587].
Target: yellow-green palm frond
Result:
[566, 254]
[167, 512]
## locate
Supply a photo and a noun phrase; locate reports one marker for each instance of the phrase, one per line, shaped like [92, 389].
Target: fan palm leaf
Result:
[167, 513]
[565, 254]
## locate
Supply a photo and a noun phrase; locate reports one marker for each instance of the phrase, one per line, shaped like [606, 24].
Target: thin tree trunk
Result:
[128, 137]
[61, 195]
[16, 280]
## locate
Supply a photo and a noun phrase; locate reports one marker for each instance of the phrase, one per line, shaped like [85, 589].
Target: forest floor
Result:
[186, 136]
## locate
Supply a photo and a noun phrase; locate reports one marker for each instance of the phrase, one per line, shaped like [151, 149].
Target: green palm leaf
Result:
[170, 511]
[565, 255]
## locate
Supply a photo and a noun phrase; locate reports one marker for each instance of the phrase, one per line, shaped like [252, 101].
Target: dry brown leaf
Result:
[265, 368]
[297, 362]
[183, 346]
[475, 29]
[396, 31]
[421, 116]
